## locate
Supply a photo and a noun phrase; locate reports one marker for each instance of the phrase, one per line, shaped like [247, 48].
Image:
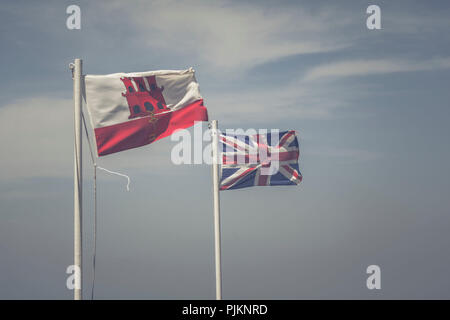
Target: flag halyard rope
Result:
[95, 166]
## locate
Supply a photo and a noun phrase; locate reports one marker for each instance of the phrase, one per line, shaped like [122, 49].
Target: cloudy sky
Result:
[371, 108]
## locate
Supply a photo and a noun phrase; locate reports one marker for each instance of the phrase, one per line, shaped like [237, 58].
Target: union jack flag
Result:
[259, 160]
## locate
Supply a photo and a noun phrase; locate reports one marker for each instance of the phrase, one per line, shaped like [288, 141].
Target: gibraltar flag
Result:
[129, 110]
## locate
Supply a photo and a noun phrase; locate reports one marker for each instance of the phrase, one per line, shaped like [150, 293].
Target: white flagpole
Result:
[215, 142]
[78, 182]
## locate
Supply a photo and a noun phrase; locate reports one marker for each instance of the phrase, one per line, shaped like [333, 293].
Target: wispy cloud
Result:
[233, 35]
[297, 100]
[364, 67]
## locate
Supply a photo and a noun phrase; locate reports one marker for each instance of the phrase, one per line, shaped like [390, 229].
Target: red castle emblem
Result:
[143, 96]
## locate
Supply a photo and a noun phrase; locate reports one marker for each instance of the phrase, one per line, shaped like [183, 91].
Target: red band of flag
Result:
[145, 130]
